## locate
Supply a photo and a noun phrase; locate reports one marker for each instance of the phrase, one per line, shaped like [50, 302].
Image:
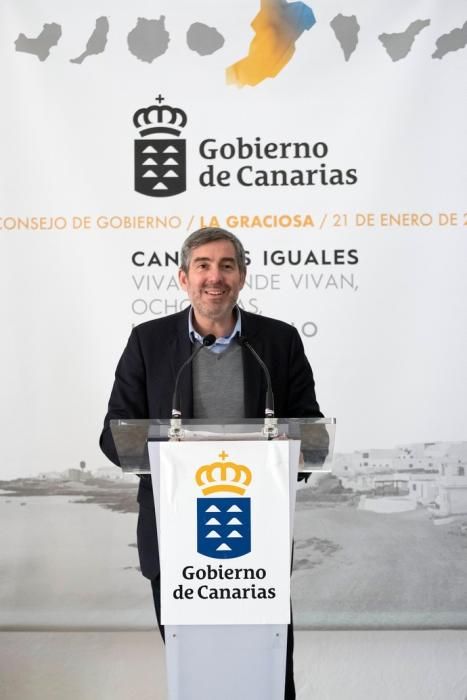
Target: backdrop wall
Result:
[330, 139]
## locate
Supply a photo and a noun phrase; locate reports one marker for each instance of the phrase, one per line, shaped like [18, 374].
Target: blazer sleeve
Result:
[128, 398]
[301, 396]
[303, 404]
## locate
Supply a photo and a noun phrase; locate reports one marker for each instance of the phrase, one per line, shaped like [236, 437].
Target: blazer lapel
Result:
[253, 378]
[181, 351]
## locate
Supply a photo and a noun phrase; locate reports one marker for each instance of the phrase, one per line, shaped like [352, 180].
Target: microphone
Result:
[269, 403]
[207, 341]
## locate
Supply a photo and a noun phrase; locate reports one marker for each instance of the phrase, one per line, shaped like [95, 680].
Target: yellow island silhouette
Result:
[277, 26]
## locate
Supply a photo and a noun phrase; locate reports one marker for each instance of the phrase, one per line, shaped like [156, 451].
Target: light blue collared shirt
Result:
[221, 344]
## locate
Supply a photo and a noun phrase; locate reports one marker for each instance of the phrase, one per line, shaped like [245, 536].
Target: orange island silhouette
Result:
[277, 26]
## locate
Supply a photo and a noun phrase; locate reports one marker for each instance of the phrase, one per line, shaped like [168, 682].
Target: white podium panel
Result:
[234, 661]
[224, 544]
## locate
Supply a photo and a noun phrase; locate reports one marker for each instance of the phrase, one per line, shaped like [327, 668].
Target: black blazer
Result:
[145, 378]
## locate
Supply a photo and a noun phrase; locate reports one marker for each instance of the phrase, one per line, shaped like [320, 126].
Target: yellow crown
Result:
[223, 476]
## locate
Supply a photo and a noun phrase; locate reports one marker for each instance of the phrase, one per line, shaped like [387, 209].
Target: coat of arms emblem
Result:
[160, 153]
[224, 522]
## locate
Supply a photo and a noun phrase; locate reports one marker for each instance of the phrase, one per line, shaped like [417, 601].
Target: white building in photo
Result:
[433, 475]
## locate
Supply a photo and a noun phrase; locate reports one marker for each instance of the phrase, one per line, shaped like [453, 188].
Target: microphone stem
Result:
[269, 407]
[208, 340]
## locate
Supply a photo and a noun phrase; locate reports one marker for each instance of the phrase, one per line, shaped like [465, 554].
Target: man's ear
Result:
[182, 278]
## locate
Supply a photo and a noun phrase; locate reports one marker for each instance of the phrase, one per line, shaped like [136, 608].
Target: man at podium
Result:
[224, 381]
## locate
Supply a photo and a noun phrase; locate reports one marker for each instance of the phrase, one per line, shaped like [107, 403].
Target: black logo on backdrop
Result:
[160, 153]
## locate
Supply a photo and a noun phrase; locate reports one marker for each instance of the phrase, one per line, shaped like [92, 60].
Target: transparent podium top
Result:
[316, 436]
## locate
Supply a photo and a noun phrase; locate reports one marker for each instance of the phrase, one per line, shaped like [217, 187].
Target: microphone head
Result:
[241, 340]
[209, 340]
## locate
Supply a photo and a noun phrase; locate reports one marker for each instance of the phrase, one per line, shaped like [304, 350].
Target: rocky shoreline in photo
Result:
[118, 496]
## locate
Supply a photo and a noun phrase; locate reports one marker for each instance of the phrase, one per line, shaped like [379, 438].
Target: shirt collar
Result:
[225, 340]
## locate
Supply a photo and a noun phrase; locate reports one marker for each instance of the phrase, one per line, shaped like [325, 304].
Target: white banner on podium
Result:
[224, 533]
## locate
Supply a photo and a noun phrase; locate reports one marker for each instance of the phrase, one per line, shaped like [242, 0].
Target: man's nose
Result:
[215, 274]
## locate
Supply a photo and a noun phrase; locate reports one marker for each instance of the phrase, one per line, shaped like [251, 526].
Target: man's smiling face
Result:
[213, 282]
